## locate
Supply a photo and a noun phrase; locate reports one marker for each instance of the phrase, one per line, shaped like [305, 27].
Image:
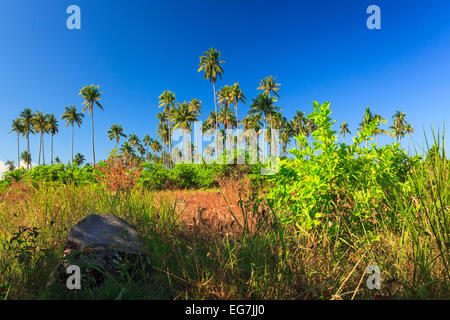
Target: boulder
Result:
[101, 242]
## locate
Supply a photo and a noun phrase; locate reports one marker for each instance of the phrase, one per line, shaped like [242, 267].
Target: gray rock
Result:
[106, 232]
[103, 241]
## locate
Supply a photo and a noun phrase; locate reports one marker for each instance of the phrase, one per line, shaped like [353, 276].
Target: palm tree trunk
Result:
[237, 117]
[93, 148]
[43, 150]
[18, 152]
[40, 148]
[72, 142]
[28, 148]
[51, 162]
[215, 102]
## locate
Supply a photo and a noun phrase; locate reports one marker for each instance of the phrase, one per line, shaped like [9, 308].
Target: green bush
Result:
[62, 173]
[310, 187]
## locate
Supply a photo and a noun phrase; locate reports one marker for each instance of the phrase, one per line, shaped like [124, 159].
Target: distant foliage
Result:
[66, 174]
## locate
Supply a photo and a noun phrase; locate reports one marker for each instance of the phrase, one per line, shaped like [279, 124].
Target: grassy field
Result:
[311, 231]
[218, 244]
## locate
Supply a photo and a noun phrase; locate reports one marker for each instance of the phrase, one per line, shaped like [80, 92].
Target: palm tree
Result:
[227, 117]
[141, 150]
[287, 132]
[126, 149]
[344, 130]
[147, 141]
[17, 127]
[299, 122]
[91, 96]
[79, 159]
[369, 118]
[52, 128]
[26, 157]
[237, 95]
[115, 132]
[378, 130]
[252, 122]
[133, 140]
[10, 165]
[195, 106]
[167, 100]
[26, 117]
[398, 127]
[182, 117]
[164, 133]
[40, 125]
[156, 146]
[264, 104]
[224, 96]
[268, 86]
[211, 65]
[72, 117]
[408, 130]
[210, 122]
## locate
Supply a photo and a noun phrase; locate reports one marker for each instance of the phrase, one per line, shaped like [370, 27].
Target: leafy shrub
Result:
[326, 174]
[118, 173]
[155, 177]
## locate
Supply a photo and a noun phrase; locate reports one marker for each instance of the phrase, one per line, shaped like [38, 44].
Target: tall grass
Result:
[255, 257]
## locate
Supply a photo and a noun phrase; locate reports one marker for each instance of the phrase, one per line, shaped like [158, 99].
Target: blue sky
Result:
[318, 50]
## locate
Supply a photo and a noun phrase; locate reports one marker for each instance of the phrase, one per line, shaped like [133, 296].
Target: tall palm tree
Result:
[52, 127]
[408, 130]
[40, 125]
[26, 117]
[115, 132]
[344, 130]
[72, 117]
[26, 157]
[164, 133]
[237, 95]
[299, 122]
[398, 125]
[167, 100]
[210, 63]
[91, 96]
[17, 127]
[268, 86]
[264, 104]
[182, 117]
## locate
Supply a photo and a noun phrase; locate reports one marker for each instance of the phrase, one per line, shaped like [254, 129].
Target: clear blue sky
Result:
[318, 50]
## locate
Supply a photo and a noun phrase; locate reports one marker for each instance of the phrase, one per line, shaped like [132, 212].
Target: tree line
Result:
[263, 113]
